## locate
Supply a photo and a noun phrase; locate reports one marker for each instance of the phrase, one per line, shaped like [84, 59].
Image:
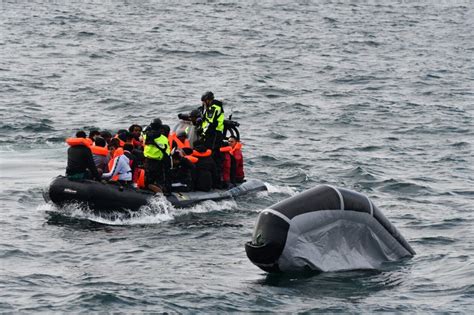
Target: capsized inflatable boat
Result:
[113, 197]
[325, 229]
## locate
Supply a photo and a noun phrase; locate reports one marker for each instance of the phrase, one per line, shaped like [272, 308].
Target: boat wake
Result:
[158, 210]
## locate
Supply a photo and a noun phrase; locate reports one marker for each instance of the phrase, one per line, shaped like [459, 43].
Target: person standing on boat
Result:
[212, 127]
[80, 163]
[156, 151]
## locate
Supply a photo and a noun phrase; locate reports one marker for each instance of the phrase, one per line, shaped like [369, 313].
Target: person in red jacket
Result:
[239, 159]
[233, 165]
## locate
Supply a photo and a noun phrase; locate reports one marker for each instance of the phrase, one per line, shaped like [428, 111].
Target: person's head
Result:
[125, 136]
[94, 133]
[165, 130]
[128, 147]
[156, 124]
[207, 98]
[100, 142]
[81, 134]
[135, 130]
[113, 145]
[106, 135]
[194, 115]
[232, 141]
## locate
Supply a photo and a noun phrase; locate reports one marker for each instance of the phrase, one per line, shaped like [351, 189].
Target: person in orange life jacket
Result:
[228, 166]
[156, 152]
[122, 135]
[239, 159]
[80, 163]
[206, 175]
[119, 165]
[180, 141]
[136, 131]
[212, 128]
[182, 173]
[100, 154]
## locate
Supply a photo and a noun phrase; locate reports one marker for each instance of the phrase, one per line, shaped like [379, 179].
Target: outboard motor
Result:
[325, 229]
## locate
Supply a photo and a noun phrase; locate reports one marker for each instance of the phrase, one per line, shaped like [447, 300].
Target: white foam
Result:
[274, 189]
[159, 210]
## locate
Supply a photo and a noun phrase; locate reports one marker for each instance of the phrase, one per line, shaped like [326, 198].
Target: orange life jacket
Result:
[141, 178]
[202, 154]
[118, 152]
[99, 150]
[122, 143]
[79, 141]
[226, 149]
[231, 150]
[174, 138]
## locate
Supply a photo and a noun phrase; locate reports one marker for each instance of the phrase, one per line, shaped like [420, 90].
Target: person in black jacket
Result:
[80, 163]
[181, 173]
[206, 176]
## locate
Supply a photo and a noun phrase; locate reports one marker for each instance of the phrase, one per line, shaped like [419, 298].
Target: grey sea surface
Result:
[373, 96]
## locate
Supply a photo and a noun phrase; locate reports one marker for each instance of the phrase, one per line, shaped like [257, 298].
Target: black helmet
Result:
[156, 124]
[207, 96]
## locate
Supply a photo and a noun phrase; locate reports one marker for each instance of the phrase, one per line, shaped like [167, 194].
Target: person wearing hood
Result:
[156, 151]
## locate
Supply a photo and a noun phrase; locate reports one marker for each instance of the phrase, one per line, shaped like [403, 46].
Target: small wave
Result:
[38, 127]
[359, 173]
[366, 43]
[461, 144]
[435, 240]
[105, 298]
[196, 53]
[405, 187]
[357, 79]
[15, 253]
[85, 34]
[369, 148]
[330, 20]
[275, 189]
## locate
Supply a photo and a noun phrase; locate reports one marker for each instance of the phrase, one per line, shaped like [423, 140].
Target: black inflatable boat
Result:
[112, 197]
[325, 229]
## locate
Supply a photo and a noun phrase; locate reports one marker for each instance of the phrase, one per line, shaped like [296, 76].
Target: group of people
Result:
[159, 160]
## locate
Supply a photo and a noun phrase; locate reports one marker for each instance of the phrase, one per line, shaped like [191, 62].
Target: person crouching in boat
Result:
[156, 152]
[80, 163]
[119, 165]
[182, 172]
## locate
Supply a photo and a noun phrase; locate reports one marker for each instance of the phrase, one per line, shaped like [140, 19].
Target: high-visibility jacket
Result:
[158, 149]
[213, 117]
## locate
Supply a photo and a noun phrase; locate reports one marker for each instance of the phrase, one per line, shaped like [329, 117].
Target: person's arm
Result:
[114, 171]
